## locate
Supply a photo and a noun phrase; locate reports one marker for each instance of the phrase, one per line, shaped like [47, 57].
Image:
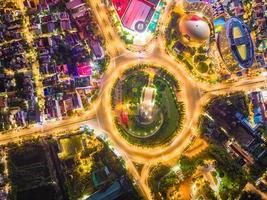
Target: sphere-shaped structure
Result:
[194, 28]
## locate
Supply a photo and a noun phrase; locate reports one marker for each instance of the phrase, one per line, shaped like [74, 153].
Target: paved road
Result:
[194, 94]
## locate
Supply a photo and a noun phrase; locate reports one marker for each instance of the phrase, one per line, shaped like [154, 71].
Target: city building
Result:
[239, 152]
[135, 15]
[259, 101]
[218, 8]
[235, 7]
[194, 29]
[260, 16]
[235, 45]
[119, 189]
[202, 7]
[137, 19]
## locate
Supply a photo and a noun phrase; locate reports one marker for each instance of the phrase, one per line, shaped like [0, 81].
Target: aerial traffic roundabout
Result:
[145, 106]
[135, 90]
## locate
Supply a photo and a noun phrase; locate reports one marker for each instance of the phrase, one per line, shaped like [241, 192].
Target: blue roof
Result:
[245, 39]
[257, 115]
[258, 119]
[219, 21]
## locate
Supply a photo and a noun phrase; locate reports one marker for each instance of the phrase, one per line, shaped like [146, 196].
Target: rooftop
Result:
[135, 14]
[240, 42]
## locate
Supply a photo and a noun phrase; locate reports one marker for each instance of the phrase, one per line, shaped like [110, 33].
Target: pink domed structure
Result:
[194, 28]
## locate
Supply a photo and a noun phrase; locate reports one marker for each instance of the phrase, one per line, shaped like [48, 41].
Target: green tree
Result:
[207, 191]
[188, 166]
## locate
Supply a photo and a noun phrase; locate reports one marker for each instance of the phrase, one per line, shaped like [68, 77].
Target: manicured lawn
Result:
[172, 112]
[145, 130]
[71, 146]
[133, 86]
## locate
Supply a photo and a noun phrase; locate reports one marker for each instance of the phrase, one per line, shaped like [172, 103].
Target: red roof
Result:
[120, 6]
[195, 18]
[138, 10]
[84, 70]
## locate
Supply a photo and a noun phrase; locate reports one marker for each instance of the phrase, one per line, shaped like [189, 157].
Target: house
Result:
[259, 101]
[239, 152]
[83, 69]
[73, 4]
[97, 49]
[179, 47]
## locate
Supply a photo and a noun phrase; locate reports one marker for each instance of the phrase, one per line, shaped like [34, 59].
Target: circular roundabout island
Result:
[145, 105]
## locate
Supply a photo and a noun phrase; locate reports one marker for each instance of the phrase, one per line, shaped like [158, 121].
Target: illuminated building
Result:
[194, 29]
[135, 15]
[199, 6]
[138, 19]
[235, 45]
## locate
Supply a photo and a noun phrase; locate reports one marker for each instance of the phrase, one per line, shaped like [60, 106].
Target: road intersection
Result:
[194, 94]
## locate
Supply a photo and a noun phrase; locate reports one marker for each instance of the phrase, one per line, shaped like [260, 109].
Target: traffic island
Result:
[146, 110]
